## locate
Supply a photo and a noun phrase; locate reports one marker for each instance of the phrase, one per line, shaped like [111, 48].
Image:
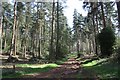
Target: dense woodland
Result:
[35, 31]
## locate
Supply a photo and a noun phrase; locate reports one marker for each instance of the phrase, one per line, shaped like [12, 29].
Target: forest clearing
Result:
[38, 42]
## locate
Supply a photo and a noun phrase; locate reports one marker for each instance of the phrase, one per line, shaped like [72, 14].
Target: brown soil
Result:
[69, 69]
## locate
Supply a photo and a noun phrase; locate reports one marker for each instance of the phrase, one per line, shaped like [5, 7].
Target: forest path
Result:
[69, 69]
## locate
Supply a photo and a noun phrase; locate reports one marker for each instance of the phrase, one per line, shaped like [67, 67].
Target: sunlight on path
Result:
[69, 67]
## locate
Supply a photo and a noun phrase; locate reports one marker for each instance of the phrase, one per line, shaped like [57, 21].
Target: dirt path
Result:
[69, 69]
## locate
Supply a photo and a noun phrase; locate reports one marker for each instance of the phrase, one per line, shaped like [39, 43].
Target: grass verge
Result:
[29, 69]
[103, 68]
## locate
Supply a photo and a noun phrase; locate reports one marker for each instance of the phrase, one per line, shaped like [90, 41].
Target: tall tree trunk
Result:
[103, 17]
[97, 31]
[5, 32]
[90, 46]
[93, 44]
[32, 48]
[57, 43]
[26, 39]
[39, 23]
[44, 36]
[1, 27]
[25, 47]
[118, 8]
[17, 37]
[78, 47]
[40, 41]
[13, 47]
[79, 42]
[39, 48]
[87, 44]
[52, 56]
[95, 39]
[26, 28]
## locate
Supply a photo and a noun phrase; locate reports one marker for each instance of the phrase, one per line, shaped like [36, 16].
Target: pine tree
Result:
[118, 8]
[1, 28]
[13, 46]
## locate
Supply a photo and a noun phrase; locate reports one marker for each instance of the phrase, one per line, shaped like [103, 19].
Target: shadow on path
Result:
[69, 69]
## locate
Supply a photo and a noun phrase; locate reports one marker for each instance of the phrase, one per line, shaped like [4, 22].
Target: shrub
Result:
[63, 51]
[106, 40]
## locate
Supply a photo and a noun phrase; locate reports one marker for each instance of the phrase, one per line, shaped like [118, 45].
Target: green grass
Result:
[103, 70]
[12, 75]
[37, 65]
[34, 68]
[72, 55]
[94, 62]
[30, 69]
[59, 62]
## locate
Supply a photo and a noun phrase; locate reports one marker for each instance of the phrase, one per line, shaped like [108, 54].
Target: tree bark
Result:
[1, 29]
[57, 43]
[52, 56]
[5, 32]
[13, 47]
[95, 39]
[103, 17]
[39, 24]
[78, 47]
[97, 30]
[118, 8]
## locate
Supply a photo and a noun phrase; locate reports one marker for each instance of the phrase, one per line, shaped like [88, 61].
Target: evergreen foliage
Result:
[106, 40]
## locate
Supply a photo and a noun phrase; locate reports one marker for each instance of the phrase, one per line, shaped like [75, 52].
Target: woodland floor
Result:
[69, 69]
